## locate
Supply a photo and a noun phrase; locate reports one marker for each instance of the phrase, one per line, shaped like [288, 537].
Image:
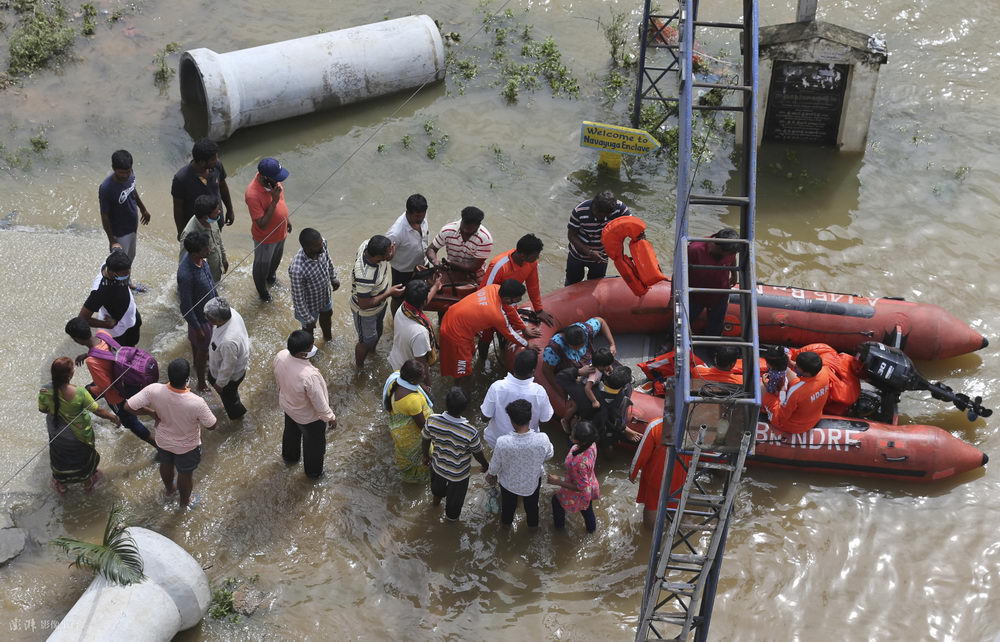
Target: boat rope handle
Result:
[781, 324]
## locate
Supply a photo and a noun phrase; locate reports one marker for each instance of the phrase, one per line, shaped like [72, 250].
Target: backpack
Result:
[132, 369]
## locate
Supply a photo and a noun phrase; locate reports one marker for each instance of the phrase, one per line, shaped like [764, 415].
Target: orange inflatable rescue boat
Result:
[839, 445]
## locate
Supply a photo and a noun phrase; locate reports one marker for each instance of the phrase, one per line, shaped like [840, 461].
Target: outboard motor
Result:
[892, 372]
[887, 368]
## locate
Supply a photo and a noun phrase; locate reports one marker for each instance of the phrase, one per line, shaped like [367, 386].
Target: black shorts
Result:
[184, 463]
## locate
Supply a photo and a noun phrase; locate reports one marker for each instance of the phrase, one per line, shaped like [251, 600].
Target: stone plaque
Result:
[804, 102]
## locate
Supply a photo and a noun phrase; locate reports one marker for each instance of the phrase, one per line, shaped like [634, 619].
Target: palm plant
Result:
[117, 558]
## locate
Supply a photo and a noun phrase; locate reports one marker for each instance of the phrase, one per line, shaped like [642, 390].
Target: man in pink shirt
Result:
[303, 397]
[180, 415]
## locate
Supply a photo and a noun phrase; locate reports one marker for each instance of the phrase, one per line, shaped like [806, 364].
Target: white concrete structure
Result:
[284, 79]
[824, 48]
[174, 597]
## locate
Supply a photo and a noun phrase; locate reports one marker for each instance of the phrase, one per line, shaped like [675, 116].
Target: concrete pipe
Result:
[224, 92]
[174, 597]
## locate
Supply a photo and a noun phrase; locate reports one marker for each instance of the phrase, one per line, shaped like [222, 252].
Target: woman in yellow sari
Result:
[408, 407]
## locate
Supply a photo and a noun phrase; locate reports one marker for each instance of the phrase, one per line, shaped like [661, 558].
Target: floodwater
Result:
[359, 556]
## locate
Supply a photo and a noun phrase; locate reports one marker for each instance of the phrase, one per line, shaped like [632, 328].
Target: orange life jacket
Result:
[661, 367]
[641, 270]
[845, 376]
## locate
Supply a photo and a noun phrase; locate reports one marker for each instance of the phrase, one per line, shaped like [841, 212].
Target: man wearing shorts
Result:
[121, 205]
[370, 291]
[195, 287]
[489, 308]
[180, 416]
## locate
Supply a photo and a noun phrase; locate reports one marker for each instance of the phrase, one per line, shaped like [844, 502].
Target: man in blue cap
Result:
[265, 197]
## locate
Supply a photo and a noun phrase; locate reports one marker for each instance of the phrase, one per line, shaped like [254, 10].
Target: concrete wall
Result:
[859, 97]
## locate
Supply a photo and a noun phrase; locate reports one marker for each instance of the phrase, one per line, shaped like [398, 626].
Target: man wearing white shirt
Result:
[228, 355]
[410, 235]
[518, 465]
[518, 384]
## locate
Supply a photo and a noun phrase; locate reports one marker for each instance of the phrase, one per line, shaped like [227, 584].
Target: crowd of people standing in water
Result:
[398, 273]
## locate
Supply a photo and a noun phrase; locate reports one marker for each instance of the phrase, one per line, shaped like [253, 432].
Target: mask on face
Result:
[213, 220]
[122, 278]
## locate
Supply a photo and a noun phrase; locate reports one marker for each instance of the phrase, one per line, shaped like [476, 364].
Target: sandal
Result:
[139, 287]
[57, 486]
[95, 479]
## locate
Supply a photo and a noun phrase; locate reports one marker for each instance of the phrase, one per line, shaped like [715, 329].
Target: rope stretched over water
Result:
[290, 214]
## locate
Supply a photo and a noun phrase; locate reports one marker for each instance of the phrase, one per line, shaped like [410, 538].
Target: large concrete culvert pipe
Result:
[225, 92]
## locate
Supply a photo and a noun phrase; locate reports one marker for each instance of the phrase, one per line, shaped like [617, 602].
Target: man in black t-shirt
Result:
[204, 175]
[110, 305]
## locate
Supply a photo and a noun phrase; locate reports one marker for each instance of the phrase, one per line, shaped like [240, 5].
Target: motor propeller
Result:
[973, 407]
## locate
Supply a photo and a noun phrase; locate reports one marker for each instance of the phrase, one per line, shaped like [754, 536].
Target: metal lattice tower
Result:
[713, 425]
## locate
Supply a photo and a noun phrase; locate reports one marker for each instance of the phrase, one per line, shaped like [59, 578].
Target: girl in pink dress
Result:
[578, 490]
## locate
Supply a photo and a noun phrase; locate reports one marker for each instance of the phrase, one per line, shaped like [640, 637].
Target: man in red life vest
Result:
[845, 376]
[802, 405]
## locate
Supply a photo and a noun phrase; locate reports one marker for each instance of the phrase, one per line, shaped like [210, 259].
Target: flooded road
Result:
[358, 555]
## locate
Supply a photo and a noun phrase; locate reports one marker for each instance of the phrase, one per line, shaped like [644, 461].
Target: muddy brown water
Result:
[360, 556]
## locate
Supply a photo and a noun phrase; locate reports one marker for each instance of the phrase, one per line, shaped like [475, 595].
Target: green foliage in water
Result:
[503, 163]
[616, 31]
[221, 606]
[407, 141]
[39, 143]
[164, 72]
[712, 98]
[548, 64]
[41, 36]
[89, 18]
[116, 558]
[613, 86]
[522, 63]
[548, 158]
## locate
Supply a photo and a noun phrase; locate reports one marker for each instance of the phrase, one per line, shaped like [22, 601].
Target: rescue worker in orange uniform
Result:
[803, 403]
[724, 370]
[520, 264]
[647, 465]
[490, 308]
[661, 367]
[845, 376]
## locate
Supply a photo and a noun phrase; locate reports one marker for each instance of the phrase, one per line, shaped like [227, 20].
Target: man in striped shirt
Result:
[467, 243]
[586, 252]
[371, 289]
[455, 443]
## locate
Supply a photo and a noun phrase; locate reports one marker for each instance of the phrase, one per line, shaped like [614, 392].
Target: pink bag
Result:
[132, 370]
